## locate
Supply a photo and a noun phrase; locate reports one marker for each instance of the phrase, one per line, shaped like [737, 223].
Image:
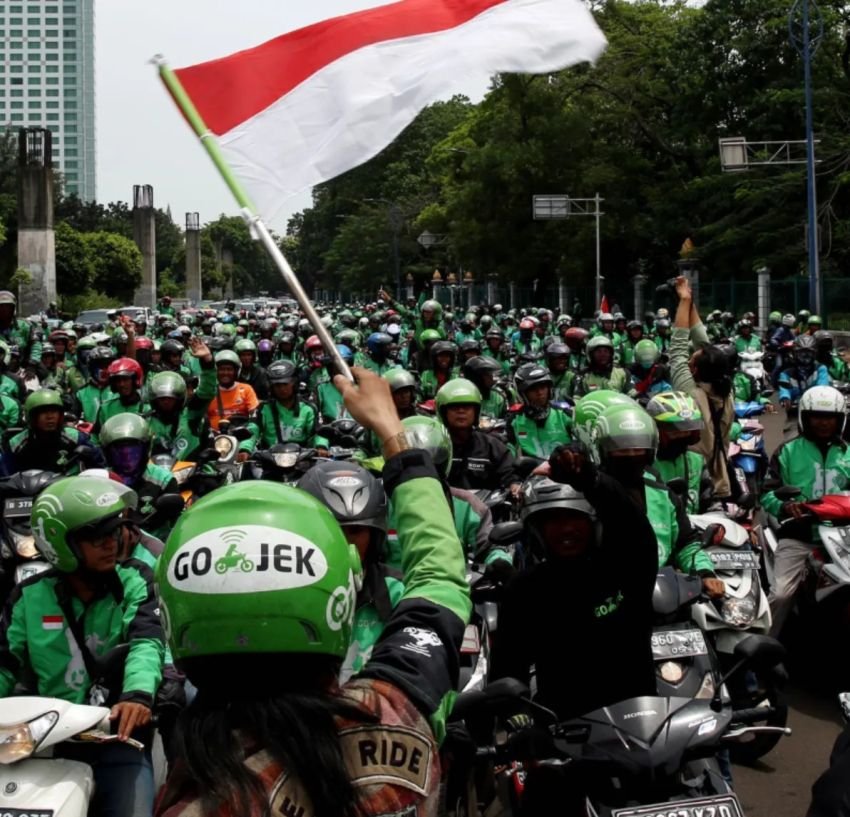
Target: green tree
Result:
[74, 266]
[117, 264]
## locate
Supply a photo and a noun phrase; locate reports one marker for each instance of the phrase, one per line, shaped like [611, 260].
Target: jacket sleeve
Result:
[680, 372]
[419, 649]
[143, 667]
[504, 462]
[823, 378]
[688, 556]
[13, 641]
[769, 501]
[206, 386]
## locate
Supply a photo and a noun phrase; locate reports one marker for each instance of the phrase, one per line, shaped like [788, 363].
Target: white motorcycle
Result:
[743, 611]
[32, 782]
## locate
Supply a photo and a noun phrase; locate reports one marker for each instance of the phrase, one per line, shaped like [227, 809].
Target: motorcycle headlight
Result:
[24, 545]
[224, 446]
[739, 612]
[671, 671]
[182, 474]
[706, 689]
[20, 740]
[285, 459]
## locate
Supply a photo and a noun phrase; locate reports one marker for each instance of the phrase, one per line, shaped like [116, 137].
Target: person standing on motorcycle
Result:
[92, 396]
[359, 505]
[443, 355]
[680, 424]
[803, 373]
[649, 376]
[282, 730]
[250, 373]
[836, 366]
[600, 371]
[95, 605]
[233, 399]
[627, 441]
[126, 379]
[538, 428]
[482, 371]
[818, 463]
[746, 340]
[286, 418]
[47, 444]
[480, 461]
[126, 443]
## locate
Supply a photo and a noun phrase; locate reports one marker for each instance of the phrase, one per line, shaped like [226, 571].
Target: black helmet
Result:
[352, 494]
[805, 350]
[476, 367]
[471, 346]
[527, 376]
[172, 347]
[824, 339]
[442, 347]
[557, 350]
[282, 371]
[542, 494]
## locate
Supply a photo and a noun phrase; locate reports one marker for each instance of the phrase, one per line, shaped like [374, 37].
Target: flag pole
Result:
[259, 230]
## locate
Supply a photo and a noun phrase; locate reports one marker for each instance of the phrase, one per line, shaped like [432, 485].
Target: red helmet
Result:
[312, 343]
[526, 323]
[126, 367]
[575, 337]
[144, 342]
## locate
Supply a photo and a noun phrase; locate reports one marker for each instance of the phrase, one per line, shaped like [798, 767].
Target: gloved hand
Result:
[573, 465]
[499, 571]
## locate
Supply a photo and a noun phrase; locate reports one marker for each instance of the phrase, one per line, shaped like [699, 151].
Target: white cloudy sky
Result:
[141, 139]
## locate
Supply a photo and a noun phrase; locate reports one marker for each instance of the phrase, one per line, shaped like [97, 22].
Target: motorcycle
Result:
[32, 781]
[747, 454]
[743, 611]
[345, 438]
[285, 463]
[640, 757]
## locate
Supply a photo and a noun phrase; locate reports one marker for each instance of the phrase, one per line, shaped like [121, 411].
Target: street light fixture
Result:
[557, 207]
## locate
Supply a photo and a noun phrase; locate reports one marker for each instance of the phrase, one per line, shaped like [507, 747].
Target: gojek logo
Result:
[248, 559]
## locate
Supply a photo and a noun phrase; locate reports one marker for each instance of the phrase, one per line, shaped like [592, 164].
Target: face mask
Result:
[672, 449]
[127, 460]
[628, 471]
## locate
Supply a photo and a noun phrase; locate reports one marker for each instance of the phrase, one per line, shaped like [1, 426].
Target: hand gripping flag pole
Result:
[257, 227]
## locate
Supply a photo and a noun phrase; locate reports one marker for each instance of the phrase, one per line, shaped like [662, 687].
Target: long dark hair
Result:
[292, 719]
[712, 366]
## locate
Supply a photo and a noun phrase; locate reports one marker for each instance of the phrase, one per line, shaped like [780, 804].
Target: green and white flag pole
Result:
[257, 227]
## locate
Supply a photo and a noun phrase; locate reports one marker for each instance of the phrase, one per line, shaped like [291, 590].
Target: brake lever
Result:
[752, 730]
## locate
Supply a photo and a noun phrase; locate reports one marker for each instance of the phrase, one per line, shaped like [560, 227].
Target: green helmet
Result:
[349, 338]
[86, 342]
[675, 410]
[399, 378]
[431, 435]
[257, 568]
[814, 320]
[430, 336]
[625, 427]
[168, 384]
[458, 392]
[589, 407]
[646, 353]
[245, 345]
[434, 306]
[123, 427]
[228, 356]
[598, 342]
[68, 506]
[41, 399]
[775, 317]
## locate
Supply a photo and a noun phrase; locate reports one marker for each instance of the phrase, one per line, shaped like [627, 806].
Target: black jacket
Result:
[586, 624]
[484, 463]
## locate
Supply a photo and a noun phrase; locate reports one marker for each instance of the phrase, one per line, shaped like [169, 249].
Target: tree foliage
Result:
[117, 264]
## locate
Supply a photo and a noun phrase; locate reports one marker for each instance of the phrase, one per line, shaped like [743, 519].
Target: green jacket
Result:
[802, 464]
[114, 405]
[495, 405]
[280, 425]
[36, 638]
[378, 368]
[750, 344]
[539, 439]
[10, 412]
[587, 382]
[429, 385]
[91, 398]
[690, 467]
[675, 545]
[18, 333]
[503, 360]
[329, 402]
[12, 387]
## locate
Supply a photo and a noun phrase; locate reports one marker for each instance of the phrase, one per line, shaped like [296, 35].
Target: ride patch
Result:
[395, 755]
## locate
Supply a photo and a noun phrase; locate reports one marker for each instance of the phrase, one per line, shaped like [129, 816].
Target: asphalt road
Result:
[780, 785]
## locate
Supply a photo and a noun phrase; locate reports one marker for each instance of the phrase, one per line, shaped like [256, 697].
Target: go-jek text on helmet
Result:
[621, 428]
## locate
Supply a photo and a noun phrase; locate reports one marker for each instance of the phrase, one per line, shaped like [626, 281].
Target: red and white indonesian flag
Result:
[311, 104]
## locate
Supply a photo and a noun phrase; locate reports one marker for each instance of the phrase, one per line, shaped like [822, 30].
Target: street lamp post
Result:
[549, 208]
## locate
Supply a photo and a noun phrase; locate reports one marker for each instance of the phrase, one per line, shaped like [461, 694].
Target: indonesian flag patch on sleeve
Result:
[52, 622]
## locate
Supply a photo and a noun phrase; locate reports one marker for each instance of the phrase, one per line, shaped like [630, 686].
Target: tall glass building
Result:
[47, 80]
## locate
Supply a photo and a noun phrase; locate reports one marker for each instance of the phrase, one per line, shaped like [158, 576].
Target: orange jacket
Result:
[240, 399]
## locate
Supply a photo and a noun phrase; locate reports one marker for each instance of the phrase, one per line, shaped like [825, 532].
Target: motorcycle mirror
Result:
[169, 506]
[505, 533]
[714, 534]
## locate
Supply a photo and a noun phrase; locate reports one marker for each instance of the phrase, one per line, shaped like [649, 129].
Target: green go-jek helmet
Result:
[257, 568]
[457, 392]
[589, 407]
[431, 435]
[168, 384]
[42, 399]
[430, 336]
[625, 427]
[73, 505]
[646, 353]
[125, 427]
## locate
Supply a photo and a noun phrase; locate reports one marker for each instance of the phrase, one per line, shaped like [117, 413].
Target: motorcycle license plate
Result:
[734, 559]
[723, 805]
[26, 812]
[667, 644]
[18, 506]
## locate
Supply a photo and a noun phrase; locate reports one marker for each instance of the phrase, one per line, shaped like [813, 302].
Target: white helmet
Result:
[825, 400]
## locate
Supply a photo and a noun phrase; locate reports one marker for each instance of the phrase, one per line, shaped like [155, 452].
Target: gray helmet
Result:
[542, 494]
[282, 371]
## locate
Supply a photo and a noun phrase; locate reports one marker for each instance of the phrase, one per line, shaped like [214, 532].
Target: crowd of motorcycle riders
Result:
[298, 648]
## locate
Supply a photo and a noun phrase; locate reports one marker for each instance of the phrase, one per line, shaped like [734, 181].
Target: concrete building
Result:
[47, 80]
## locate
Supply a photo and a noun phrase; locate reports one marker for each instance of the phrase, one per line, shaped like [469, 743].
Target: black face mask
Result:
[628, 471]
[672, 449]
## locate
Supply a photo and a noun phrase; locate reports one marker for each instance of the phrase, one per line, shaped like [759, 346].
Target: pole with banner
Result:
[259, 230]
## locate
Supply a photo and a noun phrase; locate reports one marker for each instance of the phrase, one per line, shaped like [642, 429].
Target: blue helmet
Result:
[378, 342]
[346, 354]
